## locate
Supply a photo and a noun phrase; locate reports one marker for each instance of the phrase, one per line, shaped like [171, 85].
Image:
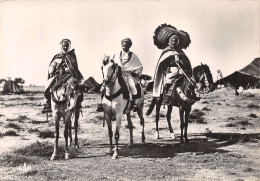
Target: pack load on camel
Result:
[247, 77]
[174, 80]
[13, 87]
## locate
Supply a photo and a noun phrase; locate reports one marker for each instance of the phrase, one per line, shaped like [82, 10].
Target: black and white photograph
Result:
[130, 90]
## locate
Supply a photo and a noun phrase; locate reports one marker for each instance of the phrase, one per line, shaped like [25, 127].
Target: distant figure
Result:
[173, 62]
[62, 63]
[131, 69]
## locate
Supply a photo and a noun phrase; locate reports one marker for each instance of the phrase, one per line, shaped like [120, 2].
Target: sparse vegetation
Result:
[196, 117]
[206, 109]
[12, 125]
[244, 123]
[252, 115]
[20, 118]
[30, 154]
[31, 130]
[38, 122]
[253, 106]
[46, 134]
[10, 133]
[205, 102]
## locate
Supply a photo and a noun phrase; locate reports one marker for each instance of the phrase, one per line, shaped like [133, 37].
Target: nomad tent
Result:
[91, 85]
[11, 86]
[247, 77]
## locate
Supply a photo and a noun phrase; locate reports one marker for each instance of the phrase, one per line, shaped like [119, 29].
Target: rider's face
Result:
[173, 42]
[64, 46]
[125, 46]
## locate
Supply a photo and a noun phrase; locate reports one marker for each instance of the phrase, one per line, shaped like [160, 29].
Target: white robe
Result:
[159, 75]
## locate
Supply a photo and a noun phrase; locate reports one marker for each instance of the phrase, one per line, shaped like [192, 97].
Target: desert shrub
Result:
[10, 133]
[206, 109]
[31, 130]
[38, 122]
[253, 106]
[20, 118]
[30, 154]
[231, 125]
[244, 123]
[250, 95]
[219, 103]
[231, 118]
[46, 134]
[196, 116]
[1, 115]
[1, 135]
[12, 125]
[252, 115]
[13, 160]
[205, 102]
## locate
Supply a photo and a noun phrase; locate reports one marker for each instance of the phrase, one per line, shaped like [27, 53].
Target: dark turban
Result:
[163, 33]
[128, 40]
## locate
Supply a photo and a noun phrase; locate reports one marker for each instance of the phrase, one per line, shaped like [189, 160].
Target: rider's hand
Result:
[61, 71]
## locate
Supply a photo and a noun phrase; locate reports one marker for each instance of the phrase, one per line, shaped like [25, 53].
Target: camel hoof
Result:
[143, 141]
[187, 140]
[67, 156]
[173, 136]
[53, 157]
[115, 156]
[77, 146]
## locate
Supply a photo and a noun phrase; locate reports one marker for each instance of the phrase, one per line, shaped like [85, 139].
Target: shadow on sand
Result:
[199, 143]
[165, 148]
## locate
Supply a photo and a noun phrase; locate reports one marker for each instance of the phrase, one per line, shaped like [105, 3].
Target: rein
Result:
[111, 82]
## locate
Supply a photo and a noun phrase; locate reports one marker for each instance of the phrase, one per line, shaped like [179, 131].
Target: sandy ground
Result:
[232, 152]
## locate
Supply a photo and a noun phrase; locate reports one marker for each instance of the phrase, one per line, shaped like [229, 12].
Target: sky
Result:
[224, 34]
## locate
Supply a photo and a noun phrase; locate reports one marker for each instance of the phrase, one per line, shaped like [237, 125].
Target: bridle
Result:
[112, 79]
[205, 78]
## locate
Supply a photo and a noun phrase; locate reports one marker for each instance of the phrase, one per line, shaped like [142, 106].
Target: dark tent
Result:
[91, 85]
[247, 77]
[12, 87]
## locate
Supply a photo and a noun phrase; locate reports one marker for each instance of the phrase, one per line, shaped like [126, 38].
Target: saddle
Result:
[125, 87]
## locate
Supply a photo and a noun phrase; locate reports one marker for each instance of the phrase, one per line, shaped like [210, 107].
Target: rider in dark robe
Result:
[64, 63]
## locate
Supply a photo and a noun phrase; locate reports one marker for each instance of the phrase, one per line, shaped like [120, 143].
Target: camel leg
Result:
[187, 114]
[66, 131]
[110, 132]
[158, 106]
[76, 124]
[69, 131]
[140, 114]
[130, 126]
[182, 125]
[56, 118]
[169, 111]
[118, 125]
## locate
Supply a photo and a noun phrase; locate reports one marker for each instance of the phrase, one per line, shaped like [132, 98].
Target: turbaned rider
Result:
[62, 63]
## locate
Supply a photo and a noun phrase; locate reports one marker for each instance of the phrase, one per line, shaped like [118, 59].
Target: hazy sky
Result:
[224, 34]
